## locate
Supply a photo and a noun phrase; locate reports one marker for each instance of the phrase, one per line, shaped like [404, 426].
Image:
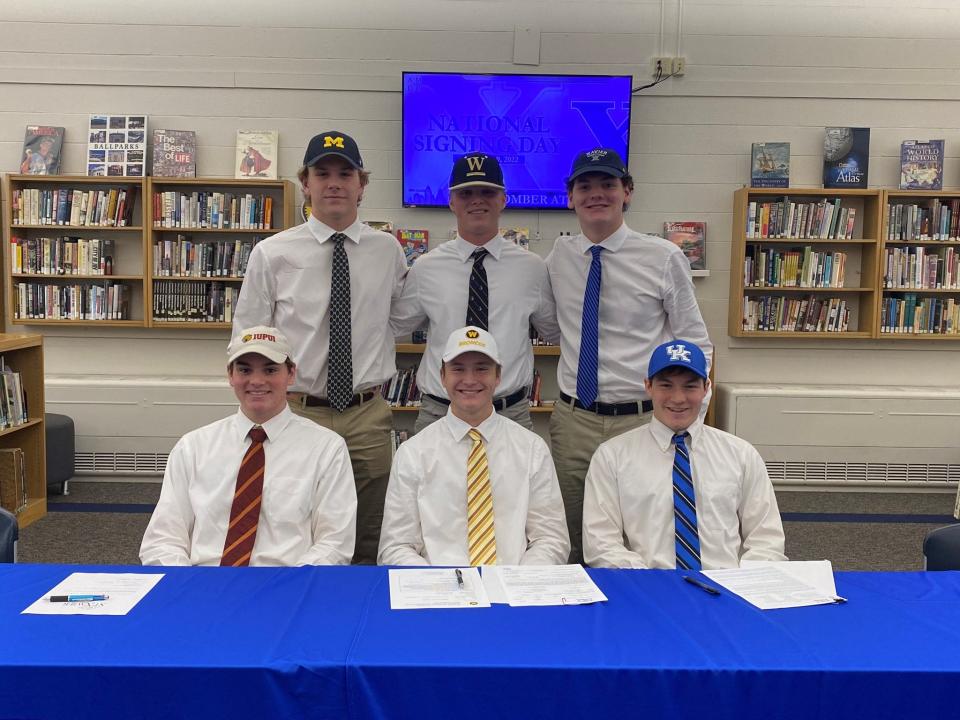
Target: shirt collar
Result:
[459, 429]
[465, 249]
[663, 436]
[273, 427]
[322, 231]
[612, 243]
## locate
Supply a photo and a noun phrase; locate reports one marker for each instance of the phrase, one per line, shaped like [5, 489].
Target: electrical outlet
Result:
[679, 66]
[660, 66]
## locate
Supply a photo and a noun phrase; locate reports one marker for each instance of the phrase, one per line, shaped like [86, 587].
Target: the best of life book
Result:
[117, 145]
[41, 150]
[770, 165]
[846, 157]
[690, 236]
[921, 165]
[256, 154]
[174, 153]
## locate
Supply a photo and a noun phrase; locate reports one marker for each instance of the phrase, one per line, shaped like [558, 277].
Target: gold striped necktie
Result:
[481, 540]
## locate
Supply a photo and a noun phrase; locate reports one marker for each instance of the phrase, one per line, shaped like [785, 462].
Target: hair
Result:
[304, 171]
[498, 366]
[290, 365]
[672, 370]
[626, 180]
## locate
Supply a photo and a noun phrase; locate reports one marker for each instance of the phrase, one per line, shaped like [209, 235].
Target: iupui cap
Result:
[678, 353]
[598, 160]
[336, 143]
[476, 169]
[262, 340]
[471, 339]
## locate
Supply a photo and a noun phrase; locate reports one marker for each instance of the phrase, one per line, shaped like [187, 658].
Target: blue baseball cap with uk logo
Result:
[678, 353]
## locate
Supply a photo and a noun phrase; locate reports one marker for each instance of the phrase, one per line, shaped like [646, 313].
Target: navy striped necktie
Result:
[478, 300]
[684, 507]
[588, 383]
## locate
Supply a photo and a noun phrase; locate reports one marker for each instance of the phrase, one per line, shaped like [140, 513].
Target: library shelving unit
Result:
[24, 354]
[919, 258]
[87, 266]
[236, 214]
[804, 263]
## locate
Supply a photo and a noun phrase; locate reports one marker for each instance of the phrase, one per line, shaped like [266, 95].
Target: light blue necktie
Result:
[684, 507]
[587, 383]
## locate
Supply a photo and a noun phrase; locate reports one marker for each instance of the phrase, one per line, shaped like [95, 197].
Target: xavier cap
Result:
[598, 160]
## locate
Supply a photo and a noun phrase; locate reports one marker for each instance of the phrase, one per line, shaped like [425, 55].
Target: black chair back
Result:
[941, 548]
[9, 534]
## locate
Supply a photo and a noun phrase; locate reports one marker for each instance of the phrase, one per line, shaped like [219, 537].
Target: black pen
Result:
[459, 578]
[702, 585]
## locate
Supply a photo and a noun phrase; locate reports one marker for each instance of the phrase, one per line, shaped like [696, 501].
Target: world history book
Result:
[921, 164]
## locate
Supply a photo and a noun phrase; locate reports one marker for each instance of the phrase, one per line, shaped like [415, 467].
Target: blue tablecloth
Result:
[323, 643]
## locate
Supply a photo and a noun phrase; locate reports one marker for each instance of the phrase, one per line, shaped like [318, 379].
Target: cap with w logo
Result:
[333, 142]
[476, 169]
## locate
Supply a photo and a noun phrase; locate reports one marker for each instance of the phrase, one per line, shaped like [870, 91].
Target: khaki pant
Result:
[366, 430]
[574, 436]
[431, 411]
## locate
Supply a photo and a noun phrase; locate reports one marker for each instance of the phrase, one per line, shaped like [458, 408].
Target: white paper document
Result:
[815, 573]
[525, 585]
[120, 593]
[414, 589]
[770, 585]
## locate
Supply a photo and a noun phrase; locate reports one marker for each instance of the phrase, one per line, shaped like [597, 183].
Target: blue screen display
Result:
[533, 124]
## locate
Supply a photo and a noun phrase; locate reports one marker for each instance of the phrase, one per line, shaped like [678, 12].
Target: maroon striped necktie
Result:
[245, 511]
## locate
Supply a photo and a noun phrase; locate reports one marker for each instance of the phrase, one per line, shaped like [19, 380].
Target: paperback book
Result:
[174, 153]
[921, 165]
[689, 236]
[414, 243]
[846, 157]
[770, 165]
[41, 150]
[117, 145]
[256, 154]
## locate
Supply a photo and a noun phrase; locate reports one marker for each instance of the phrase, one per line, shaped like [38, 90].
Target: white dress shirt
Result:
[309, 504]
[646, 298]
[287, 286]
[425, 514]
[437, 290]
[628, 500]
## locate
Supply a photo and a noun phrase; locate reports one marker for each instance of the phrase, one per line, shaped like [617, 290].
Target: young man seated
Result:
[473, 488]
[261, 487]
[676, 493]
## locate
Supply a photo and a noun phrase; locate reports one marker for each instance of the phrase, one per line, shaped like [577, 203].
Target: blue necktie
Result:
[684, 507]
[587, 383]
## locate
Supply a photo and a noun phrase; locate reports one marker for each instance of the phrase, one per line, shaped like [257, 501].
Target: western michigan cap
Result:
[262, 340]
[471, 339]
[333, 142]
[476, 169]
[598, 160]
[678, 353]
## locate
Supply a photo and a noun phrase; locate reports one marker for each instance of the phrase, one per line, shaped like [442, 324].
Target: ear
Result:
[291, 376]
[570, 200]
[648, 385]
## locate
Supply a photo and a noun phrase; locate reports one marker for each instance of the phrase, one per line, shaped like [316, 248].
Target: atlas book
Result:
[846, 157]
[770, 165]
[256, 154]
[921, 165]
[41, 150]
[689, 236]
[174, 153]
[414, 243]
[117, 146]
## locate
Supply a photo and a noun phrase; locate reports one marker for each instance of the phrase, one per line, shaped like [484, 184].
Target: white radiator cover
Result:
[857, 435]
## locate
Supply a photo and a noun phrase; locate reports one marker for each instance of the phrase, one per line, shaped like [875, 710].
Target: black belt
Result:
[314, 401]
[498, 403]
[628, 408]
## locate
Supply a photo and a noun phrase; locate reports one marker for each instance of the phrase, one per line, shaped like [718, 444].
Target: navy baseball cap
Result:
[678, 353]
[598, 160]
[333, 142]
[476, 169]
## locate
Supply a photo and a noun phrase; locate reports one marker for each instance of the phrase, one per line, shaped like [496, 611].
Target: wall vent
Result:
[121, 463]
[871, 474]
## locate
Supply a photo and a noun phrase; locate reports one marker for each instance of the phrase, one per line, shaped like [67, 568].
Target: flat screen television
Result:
[533, 124]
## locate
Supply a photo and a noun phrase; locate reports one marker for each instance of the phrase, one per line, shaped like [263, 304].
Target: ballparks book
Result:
[174, 153]
[770, 165]
[41, 150]
[256, 154]
[689, 236]
[117, 146]
[921, 165]
[414, 243]
[846, 157]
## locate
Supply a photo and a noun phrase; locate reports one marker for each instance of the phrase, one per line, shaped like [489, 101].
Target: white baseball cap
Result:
[471, 339]
[262, 340]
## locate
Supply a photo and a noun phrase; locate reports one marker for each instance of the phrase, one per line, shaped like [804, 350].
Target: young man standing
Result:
[676, 493]
[262, 487]
[482, 280]
[473, 488]
[328, 285]
[619, 294]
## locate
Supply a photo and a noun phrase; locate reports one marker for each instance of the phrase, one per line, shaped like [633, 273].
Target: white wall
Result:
[759, 70]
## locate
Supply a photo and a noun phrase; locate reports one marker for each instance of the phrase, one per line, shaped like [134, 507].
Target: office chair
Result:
[941, 548]
[9, 534]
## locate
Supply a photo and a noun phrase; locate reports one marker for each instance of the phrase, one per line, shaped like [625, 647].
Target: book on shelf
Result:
[78, 207]
[13, 485]
[42, 145]
[793, 268]
[397, 437]
[778, 313]
[921, 268]
[921, 164]
[937, 219]
[13, 401]
[690, 237]
[61, 256]
[174, 153]
[117, 145]
[256, 154]
[381, 225]
[184, 257]
[770, 165]
[919, 315]
[413, 242]
[402, 390]
[535, 388]
[194, 302]
[824, 219]
[846, 157]
[517, 235]
[107, 300]
[212, 209]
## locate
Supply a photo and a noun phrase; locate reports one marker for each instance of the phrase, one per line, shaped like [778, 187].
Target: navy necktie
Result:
[479, 298]
[587, 383]
[684, 507]
[340, 357]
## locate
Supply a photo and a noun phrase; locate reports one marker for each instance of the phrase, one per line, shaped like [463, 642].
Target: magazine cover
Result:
[117, 145]
[921, 165]
[256, 154]
[414, 243]
[689, 236]
[41, 150]
[770, 164]
[846, 157]
[174, 153]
